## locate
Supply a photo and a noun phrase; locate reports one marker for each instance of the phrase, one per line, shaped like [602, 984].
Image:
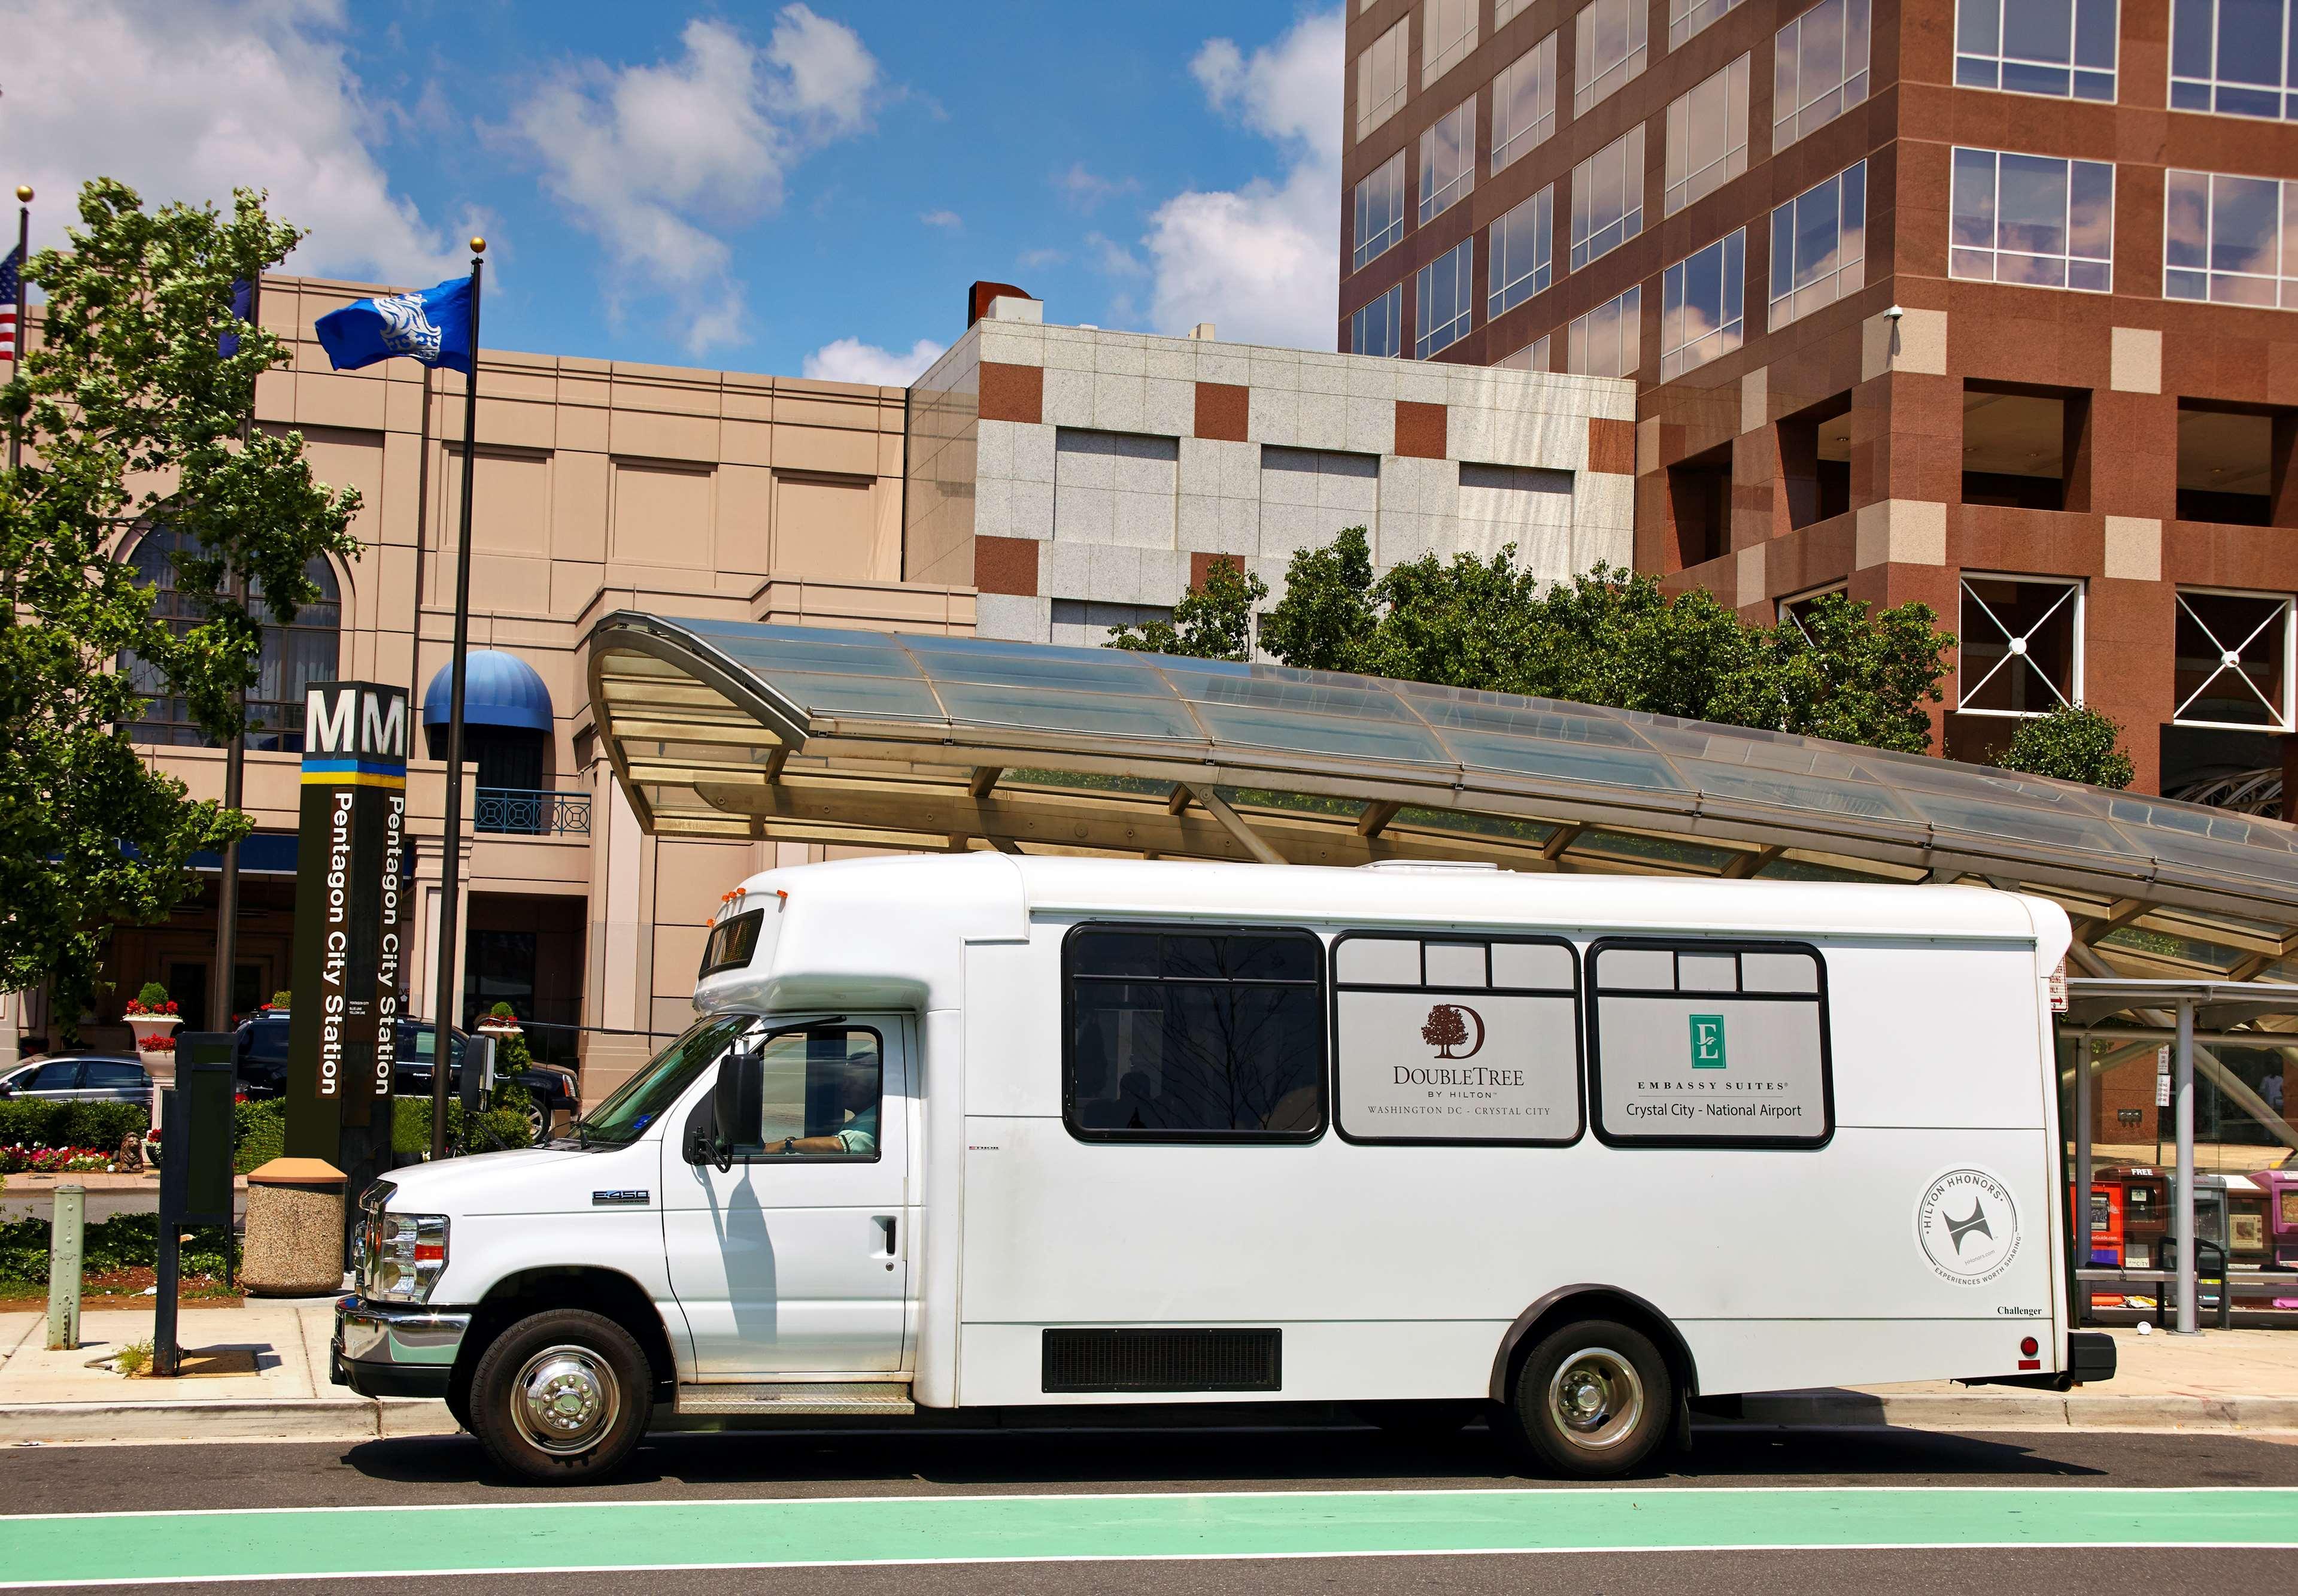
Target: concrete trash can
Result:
[294, 1229]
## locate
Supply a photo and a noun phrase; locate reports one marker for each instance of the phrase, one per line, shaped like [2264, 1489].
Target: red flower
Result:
[171, 1005]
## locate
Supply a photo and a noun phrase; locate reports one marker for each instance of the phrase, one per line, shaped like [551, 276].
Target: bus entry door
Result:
[796, 1261]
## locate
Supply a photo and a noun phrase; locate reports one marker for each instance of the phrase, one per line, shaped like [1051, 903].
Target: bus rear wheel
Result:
[1592, 1400]
[562, 1396]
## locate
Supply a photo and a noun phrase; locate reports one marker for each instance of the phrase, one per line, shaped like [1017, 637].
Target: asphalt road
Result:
[1796, 1480]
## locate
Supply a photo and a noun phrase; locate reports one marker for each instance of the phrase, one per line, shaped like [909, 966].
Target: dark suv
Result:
[261, 1054]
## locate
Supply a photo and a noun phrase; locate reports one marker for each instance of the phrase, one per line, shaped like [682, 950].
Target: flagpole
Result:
[23, 274]
[450, 865]
[234, 763]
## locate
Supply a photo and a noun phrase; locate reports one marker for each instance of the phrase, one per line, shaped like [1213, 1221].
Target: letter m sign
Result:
[1708, 1041]
[331, 718]
[355, 720]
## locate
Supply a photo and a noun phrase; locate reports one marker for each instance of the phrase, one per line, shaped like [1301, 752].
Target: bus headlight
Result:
[402, 1255]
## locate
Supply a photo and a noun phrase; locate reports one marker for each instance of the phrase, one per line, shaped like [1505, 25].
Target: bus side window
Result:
[1701, 1043]
[1193, 1033]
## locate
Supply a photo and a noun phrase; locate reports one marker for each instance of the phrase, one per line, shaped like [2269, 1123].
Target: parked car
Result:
[261, 1052]
[80, 1078]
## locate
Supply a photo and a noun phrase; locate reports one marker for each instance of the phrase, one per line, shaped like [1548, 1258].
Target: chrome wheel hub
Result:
[1596, 1398]
[564, 1397]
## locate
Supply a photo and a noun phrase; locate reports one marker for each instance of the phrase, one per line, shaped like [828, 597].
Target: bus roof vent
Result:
[1429, 865]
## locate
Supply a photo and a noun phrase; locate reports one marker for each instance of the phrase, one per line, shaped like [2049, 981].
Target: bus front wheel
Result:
[1592, 1400]
[562, 1396]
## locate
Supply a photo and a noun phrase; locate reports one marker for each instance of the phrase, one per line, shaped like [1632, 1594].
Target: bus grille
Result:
[1163, 1361]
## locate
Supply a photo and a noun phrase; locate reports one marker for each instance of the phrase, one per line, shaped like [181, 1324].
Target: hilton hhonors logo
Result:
[1968, 1226]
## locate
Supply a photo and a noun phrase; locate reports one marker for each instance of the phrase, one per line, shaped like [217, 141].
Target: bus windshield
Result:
[622, 1118]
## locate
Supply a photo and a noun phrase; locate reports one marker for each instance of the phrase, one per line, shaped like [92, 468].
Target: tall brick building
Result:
[1978, 304]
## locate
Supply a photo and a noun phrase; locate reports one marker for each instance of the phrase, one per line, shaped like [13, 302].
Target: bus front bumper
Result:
[383, 1350]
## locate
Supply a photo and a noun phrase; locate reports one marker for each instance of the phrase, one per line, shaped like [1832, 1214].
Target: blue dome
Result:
[504, 692]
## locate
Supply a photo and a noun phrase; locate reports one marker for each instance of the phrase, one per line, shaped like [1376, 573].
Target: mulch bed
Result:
[124, 1288]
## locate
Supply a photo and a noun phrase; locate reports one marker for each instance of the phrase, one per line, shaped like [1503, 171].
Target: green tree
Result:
[1213, 621]
[1610, 637]
[2072, 744]
[130, 417]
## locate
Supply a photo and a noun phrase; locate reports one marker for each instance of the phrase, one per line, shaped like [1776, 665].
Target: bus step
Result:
[843, 1397]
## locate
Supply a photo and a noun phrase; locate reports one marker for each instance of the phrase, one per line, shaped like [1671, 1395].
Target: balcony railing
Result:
[511, 811]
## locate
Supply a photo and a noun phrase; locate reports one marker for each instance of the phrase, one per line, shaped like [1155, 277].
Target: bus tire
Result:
[1592, 1400]
[562, 1397]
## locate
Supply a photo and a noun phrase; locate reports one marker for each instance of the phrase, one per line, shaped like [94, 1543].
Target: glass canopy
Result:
[746, 729]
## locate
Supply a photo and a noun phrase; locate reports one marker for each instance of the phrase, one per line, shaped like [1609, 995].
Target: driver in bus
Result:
[858, 1137]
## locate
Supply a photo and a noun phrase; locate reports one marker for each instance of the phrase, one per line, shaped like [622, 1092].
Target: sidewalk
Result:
[55, 1397]
[2221, 1380]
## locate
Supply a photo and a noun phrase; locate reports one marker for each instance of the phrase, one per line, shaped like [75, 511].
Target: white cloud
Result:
[942, 219]
[185, 100]
[1260, 260]
[656, 158]
[851, 361]
[1087, 190]
[1046, 257]
[1114, 258]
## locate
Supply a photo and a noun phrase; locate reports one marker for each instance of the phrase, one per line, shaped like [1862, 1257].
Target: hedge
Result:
[125, 1241]
[262, 1127]
[26, 1122]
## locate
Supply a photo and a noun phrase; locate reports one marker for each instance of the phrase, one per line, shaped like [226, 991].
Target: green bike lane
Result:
[593, 1535]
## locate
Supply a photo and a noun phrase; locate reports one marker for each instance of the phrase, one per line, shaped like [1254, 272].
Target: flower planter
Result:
[156, 1044]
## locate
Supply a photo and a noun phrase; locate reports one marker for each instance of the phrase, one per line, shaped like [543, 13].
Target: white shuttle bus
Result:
[993, 1133]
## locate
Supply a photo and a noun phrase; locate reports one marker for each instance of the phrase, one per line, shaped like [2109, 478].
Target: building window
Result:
[2233, 660]
[2222, 239]
[1192, 1034]
[1608, 198]
[1456, 1041]
[1608, 48]
[2020, 644]
[1819, 246]
[1706, 136]
[1448, 299]
[1701, 306]
[1709, 1044]
[2033, 219]
[1380, 79]
[1523, 103]
[2065, 48]
[2234, 57]
[1378, 327]
[1116, 487]
[295, 656]
[1819, 69]
[1797, 611]
[1688, 17]
[1447, 32]
[1380, 210]
[1608, 341]
[1447, 159]
[1521, 258]
[1532, 357]
[1505, 12]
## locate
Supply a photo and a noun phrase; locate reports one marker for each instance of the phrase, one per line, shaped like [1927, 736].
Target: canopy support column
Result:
[2182, 1096]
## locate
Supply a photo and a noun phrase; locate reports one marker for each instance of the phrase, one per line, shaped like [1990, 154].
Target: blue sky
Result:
[770, 187]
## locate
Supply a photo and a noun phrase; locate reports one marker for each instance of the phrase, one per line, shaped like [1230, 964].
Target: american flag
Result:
[11, 271]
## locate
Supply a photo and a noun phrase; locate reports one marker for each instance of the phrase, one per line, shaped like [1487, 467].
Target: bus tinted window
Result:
[1710, 1044]
[731, 945]
[1452, 1040]
[1191, 1035]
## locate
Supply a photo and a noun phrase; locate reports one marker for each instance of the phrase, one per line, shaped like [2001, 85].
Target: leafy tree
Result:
[131, 417]
[1611, 637]
[1211, 622]
[2074, 743]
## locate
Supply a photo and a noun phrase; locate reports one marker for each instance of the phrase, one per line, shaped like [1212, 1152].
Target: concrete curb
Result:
[354, 1418]
[288, 1418]
[2035, 1410]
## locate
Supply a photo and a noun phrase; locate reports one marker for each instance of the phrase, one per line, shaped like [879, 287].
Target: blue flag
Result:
[431, 325]
[243, 306]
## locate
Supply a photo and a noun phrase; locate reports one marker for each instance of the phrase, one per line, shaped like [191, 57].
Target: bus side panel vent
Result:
[1149, 1359]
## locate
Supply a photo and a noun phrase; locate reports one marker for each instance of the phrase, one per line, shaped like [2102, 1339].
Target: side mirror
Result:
[737, 1099]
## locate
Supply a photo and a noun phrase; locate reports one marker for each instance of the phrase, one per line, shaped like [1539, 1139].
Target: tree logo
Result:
[1448, 1028]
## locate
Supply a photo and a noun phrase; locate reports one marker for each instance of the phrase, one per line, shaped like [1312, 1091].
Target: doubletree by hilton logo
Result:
[1448, 1028]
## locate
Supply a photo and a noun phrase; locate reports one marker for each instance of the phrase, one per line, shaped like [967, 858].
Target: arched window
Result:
[295, 656]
